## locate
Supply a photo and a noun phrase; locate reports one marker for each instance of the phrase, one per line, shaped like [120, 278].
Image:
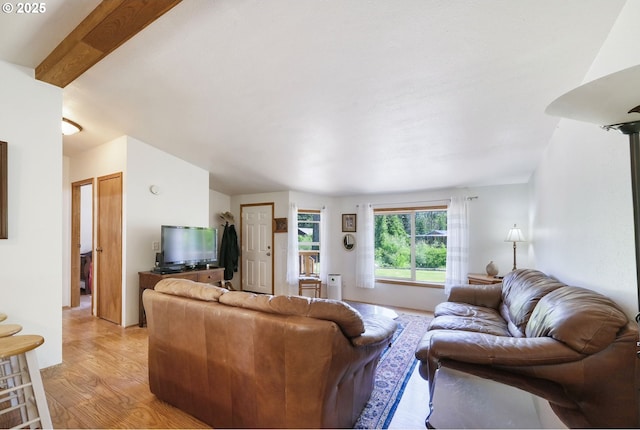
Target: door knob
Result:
[268, 254]
[99, 249]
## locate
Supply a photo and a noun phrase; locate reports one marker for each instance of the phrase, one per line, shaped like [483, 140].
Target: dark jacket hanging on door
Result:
[229, 251]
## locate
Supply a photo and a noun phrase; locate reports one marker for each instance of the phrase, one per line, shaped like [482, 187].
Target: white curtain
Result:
[457, 243]
[365, 266]
[324, 244]
[293, 261]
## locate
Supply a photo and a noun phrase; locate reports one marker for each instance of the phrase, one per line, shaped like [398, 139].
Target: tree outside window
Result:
[309, 239]
[411, 244]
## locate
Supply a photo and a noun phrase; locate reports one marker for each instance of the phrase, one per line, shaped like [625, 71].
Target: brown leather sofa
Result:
[237, 359]
[568, 345]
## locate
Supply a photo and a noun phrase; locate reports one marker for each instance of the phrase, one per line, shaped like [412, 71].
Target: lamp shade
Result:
[515, 235]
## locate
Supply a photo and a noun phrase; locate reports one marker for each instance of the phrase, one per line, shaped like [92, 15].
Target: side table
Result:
[481, 279]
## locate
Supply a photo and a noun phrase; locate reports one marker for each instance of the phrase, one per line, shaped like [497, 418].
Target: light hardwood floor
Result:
[102, 381]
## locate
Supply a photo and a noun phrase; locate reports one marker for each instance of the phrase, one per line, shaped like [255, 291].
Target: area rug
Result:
[394, 370]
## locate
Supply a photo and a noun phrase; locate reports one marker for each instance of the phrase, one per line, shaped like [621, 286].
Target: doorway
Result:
[81, 242]
[108, 255]
[257, 247]
[96, 261]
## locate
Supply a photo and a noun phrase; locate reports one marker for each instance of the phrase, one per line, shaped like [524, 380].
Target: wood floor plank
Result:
[103, 379]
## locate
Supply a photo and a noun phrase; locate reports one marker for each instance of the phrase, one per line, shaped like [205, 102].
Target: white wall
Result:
[86, 216]
[218, 204]
[306, 201]
[280, 202]
[491, 215]
[581, 211]
[581, 203]
[111, 157]
[66, 232]
[106, 159]
[183, 200]
[31, 275]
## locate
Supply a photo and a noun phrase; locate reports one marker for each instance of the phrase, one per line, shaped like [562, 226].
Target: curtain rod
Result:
[420, 201]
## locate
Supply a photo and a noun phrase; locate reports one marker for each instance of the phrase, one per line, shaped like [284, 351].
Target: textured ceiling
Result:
[330, 96]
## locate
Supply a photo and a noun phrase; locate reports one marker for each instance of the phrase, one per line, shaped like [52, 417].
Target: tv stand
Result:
[150, 278]
[166, 270]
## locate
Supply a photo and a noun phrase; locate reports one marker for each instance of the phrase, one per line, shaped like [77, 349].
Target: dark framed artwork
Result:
[279, 225]
[348, 222]
[4, 215]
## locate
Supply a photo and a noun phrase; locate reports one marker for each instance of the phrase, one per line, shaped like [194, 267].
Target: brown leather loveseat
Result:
[237, 359]
[568, 345]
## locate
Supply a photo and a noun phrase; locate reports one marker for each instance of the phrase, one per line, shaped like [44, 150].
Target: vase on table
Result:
[492, 269]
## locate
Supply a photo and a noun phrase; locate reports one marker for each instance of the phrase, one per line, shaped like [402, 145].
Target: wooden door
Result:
[257, 248]
[76, 222]
[108, 260]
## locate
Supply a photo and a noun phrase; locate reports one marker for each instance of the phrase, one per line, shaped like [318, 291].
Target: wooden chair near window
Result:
[309, 279]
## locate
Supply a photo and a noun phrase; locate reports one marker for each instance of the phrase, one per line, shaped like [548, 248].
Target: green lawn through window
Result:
[421, 275]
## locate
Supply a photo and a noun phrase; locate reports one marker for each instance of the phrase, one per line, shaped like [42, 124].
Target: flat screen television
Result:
[185, 247]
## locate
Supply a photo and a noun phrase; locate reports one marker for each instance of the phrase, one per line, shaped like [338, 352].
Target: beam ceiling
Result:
[108, 26]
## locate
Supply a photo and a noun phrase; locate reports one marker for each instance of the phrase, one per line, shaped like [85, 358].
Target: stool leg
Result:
[27, 411]
[38, 389]
[22, 399]
[12, 396]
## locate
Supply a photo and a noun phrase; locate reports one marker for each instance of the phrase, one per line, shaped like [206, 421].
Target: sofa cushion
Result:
[582, 319]
[348, 319]
[191, 289]
[464, 310]
[488, 296]
[489, 323]
[521, 291]
[463, 316]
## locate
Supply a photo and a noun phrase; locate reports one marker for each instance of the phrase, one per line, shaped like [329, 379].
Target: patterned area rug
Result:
[394, 370]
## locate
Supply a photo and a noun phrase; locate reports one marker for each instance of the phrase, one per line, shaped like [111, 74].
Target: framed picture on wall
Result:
[4, 234]
[280, 225]
[348, 222]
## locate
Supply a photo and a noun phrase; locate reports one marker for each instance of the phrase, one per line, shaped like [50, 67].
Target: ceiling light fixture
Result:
[69, 127]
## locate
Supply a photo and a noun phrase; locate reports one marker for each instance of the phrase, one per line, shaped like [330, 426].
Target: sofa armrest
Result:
[377, 328]
[481, 348]
[488, 296]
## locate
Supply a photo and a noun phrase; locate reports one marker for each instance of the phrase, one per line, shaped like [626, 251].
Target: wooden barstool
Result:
[9, 329]
[23, 403]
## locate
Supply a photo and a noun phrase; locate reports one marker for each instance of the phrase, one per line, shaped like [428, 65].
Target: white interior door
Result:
[257, 248]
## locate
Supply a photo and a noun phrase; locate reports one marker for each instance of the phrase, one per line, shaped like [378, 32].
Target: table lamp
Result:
[514, 235]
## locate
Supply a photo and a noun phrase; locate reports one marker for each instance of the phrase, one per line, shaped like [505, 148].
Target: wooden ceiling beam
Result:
[108, 26]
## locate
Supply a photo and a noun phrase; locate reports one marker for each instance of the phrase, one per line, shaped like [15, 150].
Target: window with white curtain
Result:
[411, 244]
[309, 239]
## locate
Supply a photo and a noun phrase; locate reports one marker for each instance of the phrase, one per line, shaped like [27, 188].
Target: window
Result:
[411, 244]
[309, 241]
